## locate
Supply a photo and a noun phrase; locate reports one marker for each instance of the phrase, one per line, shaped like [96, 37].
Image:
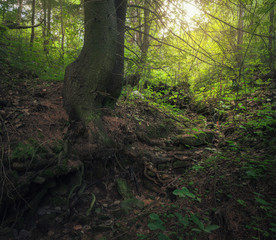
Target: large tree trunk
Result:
[93, 81]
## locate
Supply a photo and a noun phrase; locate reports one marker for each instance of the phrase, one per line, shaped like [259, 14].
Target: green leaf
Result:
[156, 226]
[156, 223]
[241, 202]
[184, 192]
[196, 220]
[211, 228]
[161, 236]
[262, 201]
[154, 216]
[183, 220]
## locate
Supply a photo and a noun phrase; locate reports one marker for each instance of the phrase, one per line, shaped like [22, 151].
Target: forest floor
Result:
[168, 176]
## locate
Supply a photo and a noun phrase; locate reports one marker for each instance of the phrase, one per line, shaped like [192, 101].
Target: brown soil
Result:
[143, 155]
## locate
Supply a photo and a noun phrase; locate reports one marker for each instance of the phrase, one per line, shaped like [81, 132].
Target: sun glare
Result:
[180, 14]
[191, 11]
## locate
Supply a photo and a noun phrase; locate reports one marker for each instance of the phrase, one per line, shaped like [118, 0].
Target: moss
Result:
[158, 130]
[58, 146]
[58, 201]
[23, 152]
[180, 164]
[194, 140]
[48, 173]
[62, 168]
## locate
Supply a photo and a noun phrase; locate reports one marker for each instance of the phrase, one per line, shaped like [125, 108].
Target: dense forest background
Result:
[194, 126]
[223, 45]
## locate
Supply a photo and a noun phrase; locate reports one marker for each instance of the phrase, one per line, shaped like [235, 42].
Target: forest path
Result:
[119, 188]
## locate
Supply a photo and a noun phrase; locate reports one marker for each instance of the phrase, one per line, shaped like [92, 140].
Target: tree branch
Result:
[4, 26]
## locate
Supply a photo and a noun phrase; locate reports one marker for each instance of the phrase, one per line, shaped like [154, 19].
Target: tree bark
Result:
[62, 29]
[19, 11]
[49, 13]
[33, 22]
[271, 40]
[47, 25]
[44, 6]
[240, 35]
[145, 42]
[93, 81]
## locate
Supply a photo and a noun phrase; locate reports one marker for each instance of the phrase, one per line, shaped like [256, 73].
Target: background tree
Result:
[33, 23]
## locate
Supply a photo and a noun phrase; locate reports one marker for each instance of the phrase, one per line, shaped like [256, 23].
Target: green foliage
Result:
[184, 192]
[186, 223]
[265, 213]
[23, 152]
[27, 150]
[155, 222]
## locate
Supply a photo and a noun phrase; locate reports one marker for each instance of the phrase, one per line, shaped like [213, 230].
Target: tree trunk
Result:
[142, 40]
[62, 30]
[19, 11]
[271, 40]
[49, 13]
[240, 36]
[145, 42]
[93, 81]
[44, 25]
[33, 22]
[48, 25]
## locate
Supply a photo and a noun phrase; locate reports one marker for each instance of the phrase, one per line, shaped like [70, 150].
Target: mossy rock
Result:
[163, 166]
[195, 140]
[180, 164]
[157, 131]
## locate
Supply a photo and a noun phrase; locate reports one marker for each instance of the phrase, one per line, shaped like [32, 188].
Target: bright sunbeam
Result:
[181, 13]
[191, 11]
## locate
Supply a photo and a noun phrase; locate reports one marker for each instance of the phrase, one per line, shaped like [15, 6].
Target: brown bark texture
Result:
[93, 81]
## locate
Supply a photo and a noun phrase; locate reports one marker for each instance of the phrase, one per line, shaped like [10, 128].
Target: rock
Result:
[42, 211]
[39, 180]
[132, 203]
[24, 235]
[137, 94]
[180, 164]
[194, 140]
[163, 166]
[8, 233]
[117, 202]
[60, 190]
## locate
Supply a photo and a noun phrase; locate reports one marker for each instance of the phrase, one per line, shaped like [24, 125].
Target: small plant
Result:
[241, 202]
[23, 152]
[184, 192]
[155, 222]
[185, 223]
[201, 227]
